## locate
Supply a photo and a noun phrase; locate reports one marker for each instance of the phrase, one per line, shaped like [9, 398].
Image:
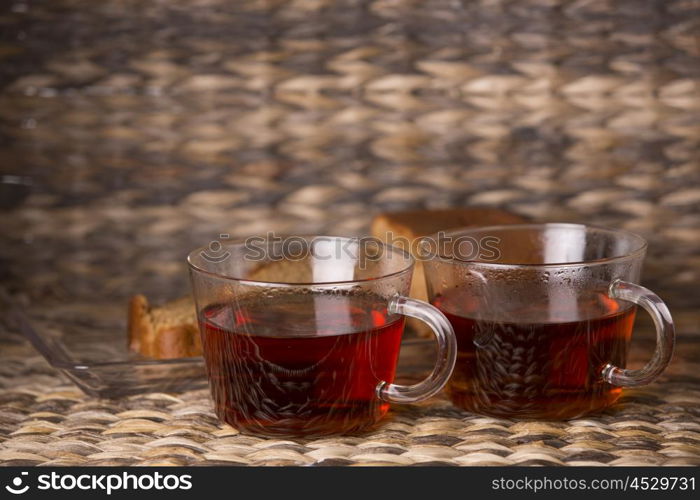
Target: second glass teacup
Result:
[301, 336]
[543, 315]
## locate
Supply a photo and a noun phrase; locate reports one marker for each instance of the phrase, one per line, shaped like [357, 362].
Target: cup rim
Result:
[637, 252]
[411, 261]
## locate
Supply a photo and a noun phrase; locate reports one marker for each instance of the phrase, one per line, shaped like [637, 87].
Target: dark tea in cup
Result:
[274, 366]
[536, 367]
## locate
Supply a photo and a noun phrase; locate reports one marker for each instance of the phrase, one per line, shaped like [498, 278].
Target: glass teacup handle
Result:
[447, 352]
[665, 335]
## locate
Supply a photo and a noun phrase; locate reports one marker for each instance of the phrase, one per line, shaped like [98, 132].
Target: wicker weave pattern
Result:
[306, 115]
[43, 421]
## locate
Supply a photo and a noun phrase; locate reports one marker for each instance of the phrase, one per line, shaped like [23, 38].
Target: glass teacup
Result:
[304, 340]
[543, 315]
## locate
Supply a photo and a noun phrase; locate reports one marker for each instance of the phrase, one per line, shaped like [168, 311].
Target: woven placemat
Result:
[45, 421]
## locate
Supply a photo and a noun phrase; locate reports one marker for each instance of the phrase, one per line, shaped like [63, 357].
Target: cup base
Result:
[563, 406]
[341, 422]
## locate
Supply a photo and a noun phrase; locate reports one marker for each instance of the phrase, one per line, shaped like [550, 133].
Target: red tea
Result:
[300, 364]
[529, 368]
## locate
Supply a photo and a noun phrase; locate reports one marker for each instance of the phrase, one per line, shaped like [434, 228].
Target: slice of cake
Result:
[167, 331]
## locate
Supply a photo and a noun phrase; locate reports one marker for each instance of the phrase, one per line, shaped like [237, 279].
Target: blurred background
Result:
[132, 131]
